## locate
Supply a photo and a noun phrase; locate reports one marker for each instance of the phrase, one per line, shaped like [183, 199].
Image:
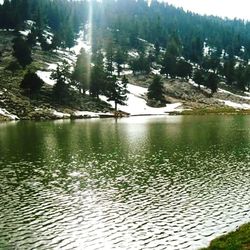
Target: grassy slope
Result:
[196, 101]
[238, 240]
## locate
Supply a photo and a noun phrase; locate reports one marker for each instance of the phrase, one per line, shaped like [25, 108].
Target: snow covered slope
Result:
[7, 114]
[136, 104]
[69, 55]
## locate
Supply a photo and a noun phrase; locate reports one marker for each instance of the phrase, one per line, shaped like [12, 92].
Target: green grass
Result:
[214, 110]
[238, 240]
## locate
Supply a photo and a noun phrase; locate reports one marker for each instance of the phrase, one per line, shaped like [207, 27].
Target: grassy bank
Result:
[214, 110]
[238, 240]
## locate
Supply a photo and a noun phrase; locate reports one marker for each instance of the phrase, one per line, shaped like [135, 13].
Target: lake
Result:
[166, 182]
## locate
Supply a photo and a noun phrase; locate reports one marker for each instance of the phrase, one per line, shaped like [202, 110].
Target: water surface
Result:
[135, 183]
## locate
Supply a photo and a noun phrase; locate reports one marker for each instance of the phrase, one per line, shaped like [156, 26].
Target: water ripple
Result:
[149, 200]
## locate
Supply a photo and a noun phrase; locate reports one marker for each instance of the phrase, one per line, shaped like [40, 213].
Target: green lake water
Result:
[167, 182]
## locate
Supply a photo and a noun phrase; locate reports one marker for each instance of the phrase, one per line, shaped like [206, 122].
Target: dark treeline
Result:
[158, 22]
[130, 19]
[64, 18]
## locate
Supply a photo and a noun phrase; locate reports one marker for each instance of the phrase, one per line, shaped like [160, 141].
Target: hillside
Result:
[74, 63]
[15, 103]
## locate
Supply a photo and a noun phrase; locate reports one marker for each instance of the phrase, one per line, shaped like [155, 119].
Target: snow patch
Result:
[136, 104]
[60, 115]
[156, 71]
[133, 53]
[70, 56]
[230, 93]
[29, 23]
[235, 105]
[191, 81]
[81, 44]
[85, 114]
[127, 72]
[5, 113]
[24, 32]
[45, 75]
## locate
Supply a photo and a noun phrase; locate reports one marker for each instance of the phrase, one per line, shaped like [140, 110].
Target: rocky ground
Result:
[194, 98]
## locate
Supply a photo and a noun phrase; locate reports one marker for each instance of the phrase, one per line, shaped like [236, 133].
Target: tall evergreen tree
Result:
[183, 69]
[61, 88]
[117, 91]
[140, 64]
[22, 51]
[156, 90]
[69, 35]
[98, 80]
[81, 73]
[229, 70]
[199, 77]
[211, 82]
[120, 58]
[241, 77]
[169, 65]
[110, 53]
[32, 37]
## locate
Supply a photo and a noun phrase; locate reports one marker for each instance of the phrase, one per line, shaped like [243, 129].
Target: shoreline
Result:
[238, 239]
[77, 115]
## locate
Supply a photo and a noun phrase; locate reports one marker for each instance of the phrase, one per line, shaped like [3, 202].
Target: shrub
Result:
[31, 82]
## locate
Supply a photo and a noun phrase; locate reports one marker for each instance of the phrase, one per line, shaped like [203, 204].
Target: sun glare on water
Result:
[89, 37]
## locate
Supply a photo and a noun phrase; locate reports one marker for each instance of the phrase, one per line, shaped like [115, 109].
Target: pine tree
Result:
[22, 51]
[169, 65]
[110, 57]
[211, 62]
[98, 79]
[174, 46]
[62, 77]
[241, 77]
[56, 41]
[81, 73]
[156, 91]
[44, 44]
[229, 70]
[140, 64]
[157, 48]
[120, 58]
[183, 69]
[199, 77]
[69, 35]
[117, 91]
[31, 38]
[31, 82]
[211, 82]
